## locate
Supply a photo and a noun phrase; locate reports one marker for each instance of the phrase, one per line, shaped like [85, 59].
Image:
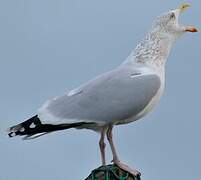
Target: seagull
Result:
[120, 96]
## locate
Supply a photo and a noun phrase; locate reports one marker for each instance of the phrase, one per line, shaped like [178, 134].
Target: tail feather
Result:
[33, 128]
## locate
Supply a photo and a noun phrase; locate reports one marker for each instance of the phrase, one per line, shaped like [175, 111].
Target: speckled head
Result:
[155, 47]
[168, 23]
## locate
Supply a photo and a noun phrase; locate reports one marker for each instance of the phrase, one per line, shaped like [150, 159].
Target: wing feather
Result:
[116, 95]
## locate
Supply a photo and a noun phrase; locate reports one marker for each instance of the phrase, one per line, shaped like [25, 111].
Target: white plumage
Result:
[120, 96]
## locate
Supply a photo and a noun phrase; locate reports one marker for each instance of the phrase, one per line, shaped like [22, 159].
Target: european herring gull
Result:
[120, 96]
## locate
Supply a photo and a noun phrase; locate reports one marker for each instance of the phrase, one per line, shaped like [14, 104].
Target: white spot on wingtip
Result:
[13, 134]
[32, 125]
[22, 129]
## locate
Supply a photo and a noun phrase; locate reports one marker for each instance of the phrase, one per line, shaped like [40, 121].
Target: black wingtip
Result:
[33, 128]
[24, 127]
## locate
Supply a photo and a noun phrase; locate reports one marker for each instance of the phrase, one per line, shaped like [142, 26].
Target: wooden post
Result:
[111, 172]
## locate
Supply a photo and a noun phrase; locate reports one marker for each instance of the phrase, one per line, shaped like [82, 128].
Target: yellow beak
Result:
[184, 6]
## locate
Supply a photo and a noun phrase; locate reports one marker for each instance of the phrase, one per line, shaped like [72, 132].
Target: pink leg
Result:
[115, 156]
[102, 146]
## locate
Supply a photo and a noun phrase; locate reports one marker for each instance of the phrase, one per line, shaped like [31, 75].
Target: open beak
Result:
[182, 8]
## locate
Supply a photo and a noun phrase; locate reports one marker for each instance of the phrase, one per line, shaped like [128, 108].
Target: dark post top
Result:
[111, 172]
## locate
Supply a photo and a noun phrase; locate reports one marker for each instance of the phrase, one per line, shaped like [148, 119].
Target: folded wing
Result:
[116, 95]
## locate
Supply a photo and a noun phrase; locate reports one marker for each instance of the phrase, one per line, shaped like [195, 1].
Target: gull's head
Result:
[168, 23]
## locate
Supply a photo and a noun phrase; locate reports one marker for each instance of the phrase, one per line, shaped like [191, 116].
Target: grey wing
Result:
[116, 95]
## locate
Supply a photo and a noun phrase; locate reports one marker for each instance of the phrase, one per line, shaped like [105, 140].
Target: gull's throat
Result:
[153, 50]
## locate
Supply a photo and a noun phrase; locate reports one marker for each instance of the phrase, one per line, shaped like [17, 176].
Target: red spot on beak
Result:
[191, 29]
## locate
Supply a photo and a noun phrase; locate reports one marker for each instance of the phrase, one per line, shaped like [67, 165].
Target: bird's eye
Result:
[172, 16]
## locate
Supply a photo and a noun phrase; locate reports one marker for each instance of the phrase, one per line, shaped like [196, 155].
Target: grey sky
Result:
[49, 46]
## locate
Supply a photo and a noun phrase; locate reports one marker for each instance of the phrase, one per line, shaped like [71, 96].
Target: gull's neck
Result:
[152, 51]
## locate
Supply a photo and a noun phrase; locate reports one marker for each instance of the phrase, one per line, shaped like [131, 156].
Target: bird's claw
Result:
[125, 167]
